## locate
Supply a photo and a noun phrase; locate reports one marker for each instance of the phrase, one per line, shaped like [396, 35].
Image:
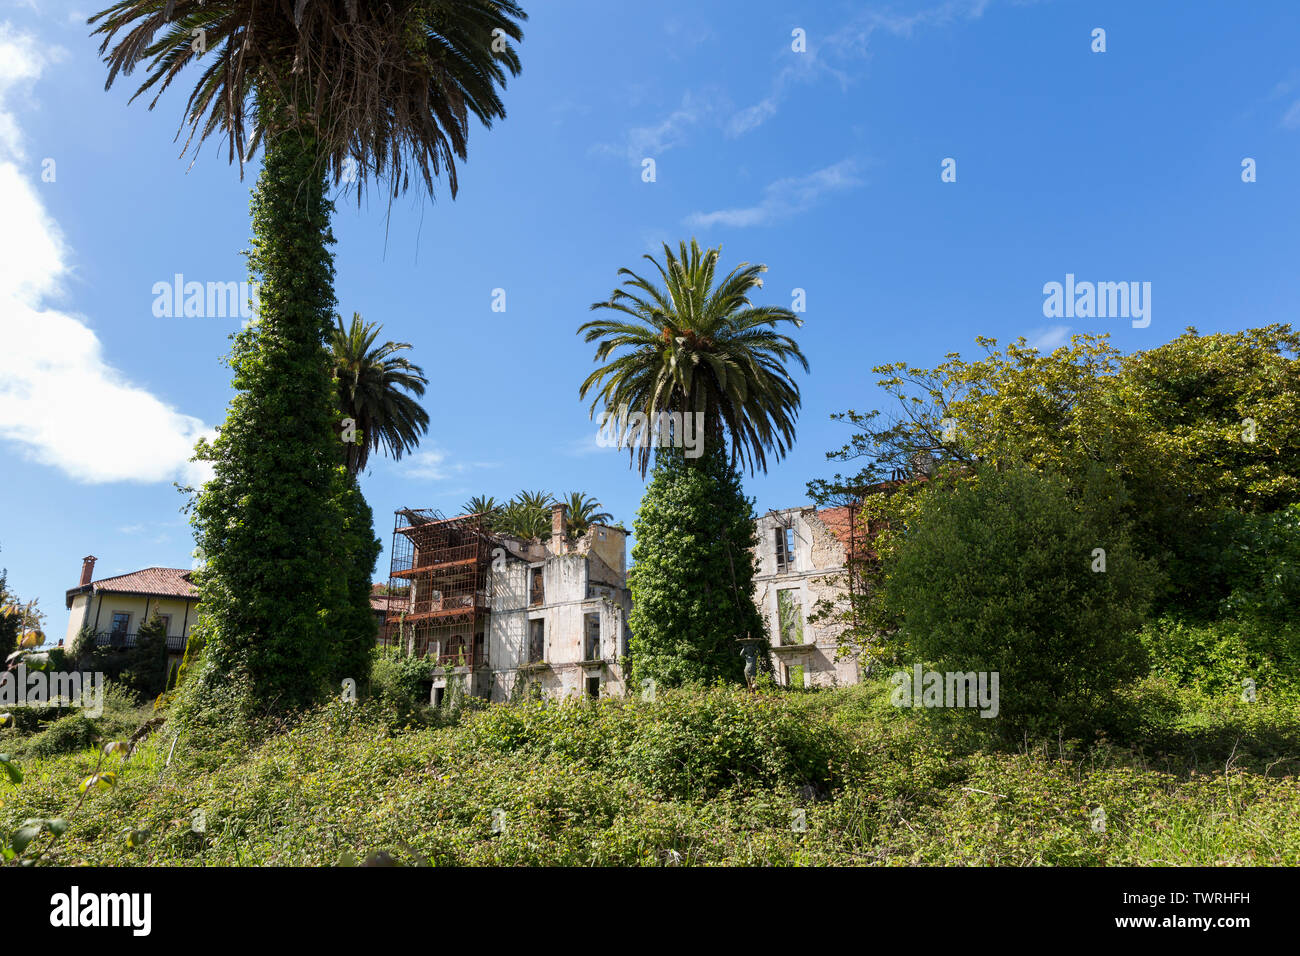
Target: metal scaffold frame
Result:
[439, 586]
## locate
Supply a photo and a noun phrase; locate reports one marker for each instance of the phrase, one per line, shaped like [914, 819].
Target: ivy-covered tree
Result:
[693, 575]
[374, 93]
[357, 634]
[271, 522]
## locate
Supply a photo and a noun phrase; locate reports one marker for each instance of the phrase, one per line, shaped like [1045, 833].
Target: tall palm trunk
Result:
[273, 522]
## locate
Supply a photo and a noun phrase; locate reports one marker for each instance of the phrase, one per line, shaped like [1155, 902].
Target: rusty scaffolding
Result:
[438, 586]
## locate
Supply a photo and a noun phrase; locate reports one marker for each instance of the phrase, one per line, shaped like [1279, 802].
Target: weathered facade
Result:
[508, 618]
[801, 562]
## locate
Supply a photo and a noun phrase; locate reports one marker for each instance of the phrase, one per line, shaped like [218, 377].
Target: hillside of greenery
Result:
[704, 776]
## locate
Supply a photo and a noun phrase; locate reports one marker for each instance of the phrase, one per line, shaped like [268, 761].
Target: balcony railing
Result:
[122, 641]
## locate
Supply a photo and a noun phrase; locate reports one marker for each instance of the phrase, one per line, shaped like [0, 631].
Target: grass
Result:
[698, 777]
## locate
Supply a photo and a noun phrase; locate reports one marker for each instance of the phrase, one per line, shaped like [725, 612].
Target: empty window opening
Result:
[536, 590]
[536, 641]
[784, 548]
[591, 636]
[789, 616]
[593, 687]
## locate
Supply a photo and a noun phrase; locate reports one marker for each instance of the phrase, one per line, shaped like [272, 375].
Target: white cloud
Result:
[783, 198]
[1050, 338]
[60, 402]
[643, 142]
[431, 464]
[1291, 118]
[831, 54]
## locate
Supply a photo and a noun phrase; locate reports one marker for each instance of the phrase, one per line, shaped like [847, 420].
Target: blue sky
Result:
[823, 164]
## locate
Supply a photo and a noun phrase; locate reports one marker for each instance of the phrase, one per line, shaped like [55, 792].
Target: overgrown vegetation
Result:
[704, 776]
[1061, 516]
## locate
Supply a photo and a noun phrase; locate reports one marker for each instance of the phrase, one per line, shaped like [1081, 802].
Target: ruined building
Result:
[803, 558]
[506, 617]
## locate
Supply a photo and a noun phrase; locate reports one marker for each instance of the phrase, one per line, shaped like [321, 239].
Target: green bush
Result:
[66, 735]
[400, 683]
[49, 730]
[1217, 656]
[685, 745]
[1001, 574]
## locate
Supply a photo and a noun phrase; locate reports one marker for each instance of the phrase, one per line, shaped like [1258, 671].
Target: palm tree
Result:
[584, 511]
[378, 90]
[690, 347]
[486, 506]
[372, 386]
[526, 515]
[535, 500]
[481, 505]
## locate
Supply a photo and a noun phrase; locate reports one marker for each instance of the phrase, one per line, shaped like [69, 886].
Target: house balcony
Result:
[122, 641]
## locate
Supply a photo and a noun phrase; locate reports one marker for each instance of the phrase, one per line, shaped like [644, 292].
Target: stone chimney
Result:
[559, 528]
[87, 569]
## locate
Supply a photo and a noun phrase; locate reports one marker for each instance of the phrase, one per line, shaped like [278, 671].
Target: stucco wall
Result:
[565, 580]
[132, 604]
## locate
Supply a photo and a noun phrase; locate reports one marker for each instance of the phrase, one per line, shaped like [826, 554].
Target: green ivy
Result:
[279, 526]
[693, 580]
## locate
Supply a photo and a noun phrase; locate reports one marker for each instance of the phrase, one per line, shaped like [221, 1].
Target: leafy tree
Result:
[1196, 428]
[142, 668]
[145, 665]
[83, 645]
[1262, 566]
[1019, 572]
[373, 383]
[692, 579]
[691, 347]
[375, 90]
[16, 620]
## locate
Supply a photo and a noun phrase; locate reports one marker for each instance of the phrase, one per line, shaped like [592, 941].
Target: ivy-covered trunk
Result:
[278, 524]
[693, 577]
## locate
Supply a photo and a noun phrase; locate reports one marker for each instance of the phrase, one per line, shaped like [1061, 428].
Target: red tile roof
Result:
[379, 600]
[159, 582]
